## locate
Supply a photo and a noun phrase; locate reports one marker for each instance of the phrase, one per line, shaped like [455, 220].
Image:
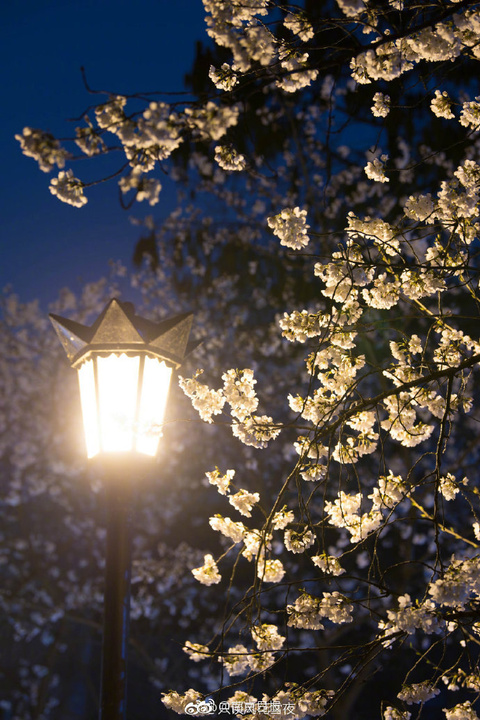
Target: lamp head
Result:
[124, 365]
[118, 329]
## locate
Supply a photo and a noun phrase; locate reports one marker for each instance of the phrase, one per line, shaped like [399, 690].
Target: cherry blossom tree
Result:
[329, 235]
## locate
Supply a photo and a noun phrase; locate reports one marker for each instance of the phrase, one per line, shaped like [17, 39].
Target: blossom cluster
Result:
[68, 188]
[223, 78]
[441, 105]
[43, 148]
[291, 227]
[381, 105]
[408, 618]
[391, 59]
[299, 25]
[462, 711]
[229, 159]
[392, 713]
[307, 612]
[255, 543]
[146, 140]
[208, 573]
[418, 693]
[375, 169]
[329, 564]
[239, 659]
[206, 401]
[145, 188]
[297, 73]
[238, 392]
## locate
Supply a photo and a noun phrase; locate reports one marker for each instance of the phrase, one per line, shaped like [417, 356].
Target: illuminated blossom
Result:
[290, 226]
[68, 188]
[208, 573]
[375, 169]
[381, 105]
[441, 105]
[418, 693]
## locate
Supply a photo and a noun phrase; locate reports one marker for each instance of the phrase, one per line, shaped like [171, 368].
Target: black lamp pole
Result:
[116, 601]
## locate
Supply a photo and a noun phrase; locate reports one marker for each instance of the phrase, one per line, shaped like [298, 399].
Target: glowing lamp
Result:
[124, 365]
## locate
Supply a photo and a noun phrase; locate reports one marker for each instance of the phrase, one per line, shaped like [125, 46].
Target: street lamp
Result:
[124, 365]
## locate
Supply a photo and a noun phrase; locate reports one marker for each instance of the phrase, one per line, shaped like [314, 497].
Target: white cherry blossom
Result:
[291, 227]
[68, 188]
[208, 573]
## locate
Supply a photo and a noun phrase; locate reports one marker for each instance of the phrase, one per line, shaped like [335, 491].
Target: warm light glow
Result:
[86, 379]
[117, 399]
[156, 381]
[115, 418]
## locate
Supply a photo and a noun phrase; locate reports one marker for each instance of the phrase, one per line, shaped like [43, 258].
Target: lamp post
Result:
[124, 365]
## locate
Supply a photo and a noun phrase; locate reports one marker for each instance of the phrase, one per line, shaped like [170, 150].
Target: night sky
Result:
[146, 45]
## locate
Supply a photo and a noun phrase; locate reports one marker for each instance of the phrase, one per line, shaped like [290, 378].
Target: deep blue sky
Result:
[125, 46]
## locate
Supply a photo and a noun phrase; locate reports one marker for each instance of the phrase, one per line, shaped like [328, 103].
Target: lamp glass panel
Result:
[117, 390]
[86, 379]
[156, 382]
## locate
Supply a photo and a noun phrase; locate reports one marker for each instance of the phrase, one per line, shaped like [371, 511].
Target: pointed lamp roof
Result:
[173, 336]
[114, 325]
[117, 327]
